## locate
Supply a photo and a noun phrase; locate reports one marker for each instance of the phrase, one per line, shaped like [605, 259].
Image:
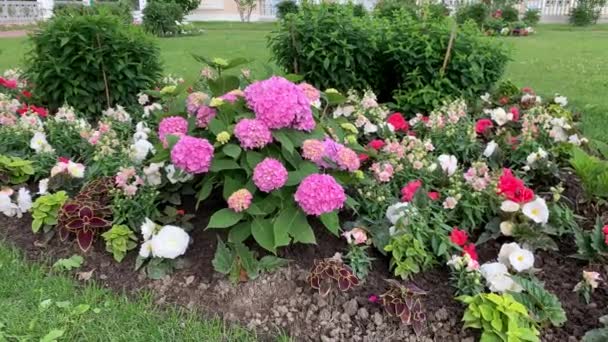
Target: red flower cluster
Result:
[376, 144]
[409, 190]
[41, 112]
[482, 126]
[460, 238]
[10, 84]
[434, 195]
[514, 188]
[398, 122]
[605, 230]
[362, 157]
[515, 112]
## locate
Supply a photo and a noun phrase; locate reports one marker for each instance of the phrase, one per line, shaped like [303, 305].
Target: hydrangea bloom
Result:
[252, 133]
[319, 194]
[313, 150]
[321, 152]
[232, 95]
[196, 100]
[280, 104]
[204, 115]
[173, 125]
[269, 175]
[192, 155]
[240, 200]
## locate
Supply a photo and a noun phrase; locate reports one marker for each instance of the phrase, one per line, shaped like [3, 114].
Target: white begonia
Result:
[506, 228]
[24, 200]
[345, 111]
[560, 100]
[500, 116]
[521, 260]
[509, 206]
[39, 143]
[450, 202]
[146, 249]
[448, 164]
[147, 229]
[537, 210]
[396, 211]
[170, 242]
[505, 251]
[75, 170]
[43, 186]
[490, 149]
[497, 278]
[152, 174]
[140, 149]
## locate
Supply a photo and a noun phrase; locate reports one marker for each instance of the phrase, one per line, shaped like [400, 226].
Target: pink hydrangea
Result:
[172, 125]
[232, 95]
[347, 159]
[319, 152]
[192, 155]
[252, 133]
[318, 194]
[311, 92]
[280, 104]
[204, 115]
[196, 100]
[240, 200]
[313, 150]
[269, 175]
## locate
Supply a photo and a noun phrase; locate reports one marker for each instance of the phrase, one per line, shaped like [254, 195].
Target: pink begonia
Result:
[192, 155]
[280, 103]
[172, 125]
[252, 133]
[383, 172]
[269, 175]
[312, 93]
[240, 200]
[204, 115]
[318, 194]
[195, 100]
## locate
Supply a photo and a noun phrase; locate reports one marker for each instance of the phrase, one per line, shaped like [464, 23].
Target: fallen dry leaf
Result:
[85, 276]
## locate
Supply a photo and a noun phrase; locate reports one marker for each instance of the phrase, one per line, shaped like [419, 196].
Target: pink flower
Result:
[356, 235]
[398, 122]
[232, 95]
[482, 126]
[172, 125]
[313, 150]
[318, 194]
[372, 298]
[321, 152]
[515, 112]
[195, 100]
[280, 104]
[204, 115]
[11, 84]
[450, 203]
[252, 133]
[240, 200]
[471, 251]
[192, 155]
[347, 159]
[458, 237]
[383, 172]
[395, 148]
[311, 92]
[376, 144]
[269, 175]
[433, 195]
[409, 190]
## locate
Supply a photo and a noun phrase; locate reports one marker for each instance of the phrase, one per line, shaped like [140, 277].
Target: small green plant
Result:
[499, 317]
[68, 264]
[510, 14]
[178, 217]
[161, 18]
[358, 260]
[531, 17]
[119, 240]
[327, 274]
[14, 170]
[592, 171]
[286, 7]
[476, 12]
[239, 263]
[592, 245]
[403, 301]
[543, 306]
[587, 12]
[409, 256]
[45, 211]
[599, 334]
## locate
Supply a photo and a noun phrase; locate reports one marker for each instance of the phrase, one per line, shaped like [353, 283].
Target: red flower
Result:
[527, 90]
[433, 195]
[409, 190]
[504, 100]
[26, 94]
[458, 237]
[39, 110]
[22, 110]
[63, 160]
[363, 157]
[398, 122]
[515, 112]
[11, 84]
[470, 250]
[376, 144]
[483, 125]
[180, 212]
[424, 119]
[514, 188]
[605, 229]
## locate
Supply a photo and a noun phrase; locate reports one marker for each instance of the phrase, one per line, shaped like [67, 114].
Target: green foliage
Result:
[477, 12]
[591, 245]
[531, 17]
[14, 170]
[160, 18]
[286, 7]
[121, 9]
[599, 334]
[543, 306]
[510, 14]
[385, 8]
[586, 13]
[186, 5]
[68, 264]
[359, 261]
[409, 256]
[240, 264]
[133, 210]
[499, 317]
[119, 240]
[592, 171]
[91, 62]
[46, 209]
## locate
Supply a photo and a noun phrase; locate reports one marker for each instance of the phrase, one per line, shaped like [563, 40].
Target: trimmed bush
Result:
[286, 7]
[161, 18]
[476, 12]
[531, 17]
[121, 9]
[510, 14]
[586, 13]
[385, 8]
[91, 62]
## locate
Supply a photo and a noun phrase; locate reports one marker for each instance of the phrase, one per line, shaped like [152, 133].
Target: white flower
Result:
[170, 242]
[147, 228]
[24, 200]
[560, 100]
[146, 249]
[140, 150]
[432, 167]
[448, 164]
[369, 128]
[537, 210]
[60, 167]
[490, 149]
[509, 206]
[498, 278]
[504, 31]
[152, 174]
[43, 186]
[40, 144]
[592, 278]
[505, 251]
[396, 211]
[574, 140]
[176, 176]
[345, 111]
[151, 108]
[506, 228]
[485, 97]
[450, 202]
[75, 170]
[532, 158]
[500, 116]
[521, 260]
[542, 153]
[392, 230]
[7, 207]
[558, 134]
[142, 98]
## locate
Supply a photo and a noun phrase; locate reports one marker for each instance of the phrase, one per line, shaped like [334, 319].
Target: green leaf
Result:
[282, 225]
[331, 222]
[223, 258]
[254, 158]
[263, 233]
[230, 186]
[224, 218]
[205, 190]
[283, 137]
[223, 164]
[270, 263]
[542, 304]
[223, 84]
[68, 264]
[300, 230]
[53, 335]
[247, 260]
[232, 150]
[240, 232]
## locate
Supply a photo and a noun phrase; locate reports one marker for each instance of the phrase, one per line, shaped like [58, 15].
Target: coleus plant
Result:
[329, 273]
[403, 301]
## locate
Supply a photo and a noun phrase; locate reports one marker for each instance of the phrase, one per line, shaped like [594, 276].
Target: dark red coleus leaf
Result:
[85, 239]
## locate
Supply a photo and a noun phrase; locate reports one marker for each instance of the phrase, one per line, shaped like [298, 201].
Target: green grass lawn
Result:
[34, 303]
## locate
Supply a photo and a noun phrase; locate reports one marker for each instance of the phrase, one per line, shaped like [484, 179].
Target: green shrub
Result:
[436, 11]
[531, 17]
[510, 14]
[286, 7]
[385, 8]
[587, 12]
[160, 18]
[359, 10]
[91, 62]
[476, 12]
[121, 9]
[186, 5]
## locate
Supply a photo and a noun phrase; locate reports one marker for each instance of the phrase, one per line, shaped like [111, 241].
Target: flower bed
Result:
[468, 202]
